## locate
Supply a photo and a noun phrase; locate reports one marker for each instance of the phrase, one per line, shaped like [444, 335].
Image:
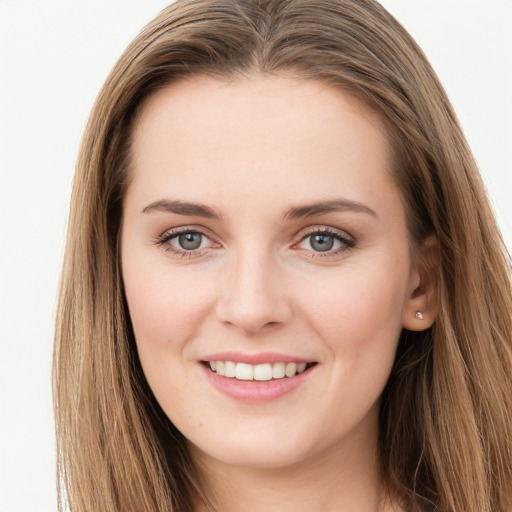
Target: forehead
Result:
[253, 102]
[260, 133]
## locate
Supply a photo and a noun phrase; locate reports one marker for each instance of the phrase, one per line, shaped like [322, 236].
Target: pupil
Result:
[190, 241]
[322, 242]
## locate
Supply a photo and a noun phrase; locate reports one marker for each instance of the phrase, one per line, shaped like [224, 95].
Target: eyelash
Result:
[346, 240]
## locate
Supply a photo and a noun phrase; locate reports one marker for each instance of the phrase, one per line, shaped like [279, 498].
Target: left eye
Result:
[189, 241]
[324, 242]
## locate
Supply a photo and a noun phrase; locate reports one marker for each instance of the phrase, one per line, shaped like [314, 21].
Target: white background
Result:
[54, 57]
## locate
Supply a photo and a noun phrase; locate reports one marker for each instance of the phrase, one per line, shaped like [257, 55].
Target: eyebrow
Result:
[182, 208]
[298, 212]
[333, 205]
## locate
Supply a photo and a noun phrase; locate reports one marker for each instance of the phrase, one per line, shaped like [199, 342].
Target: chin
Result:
[256, 454]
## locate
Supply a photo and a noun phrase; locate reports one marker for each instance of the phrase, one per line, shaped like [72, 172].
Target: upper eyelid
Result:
[325, 229]
[172, 232]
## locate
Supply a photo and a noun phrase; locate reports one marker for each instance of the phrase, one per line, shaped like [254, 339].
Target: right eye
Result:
[185, 242]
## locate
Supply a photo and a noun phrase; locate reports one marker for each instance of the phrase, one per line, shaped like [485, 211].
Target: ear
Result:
[420, 307]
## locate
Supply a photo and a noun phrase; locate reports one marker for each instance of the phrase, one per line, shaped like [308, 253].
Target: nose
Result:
[254, 295]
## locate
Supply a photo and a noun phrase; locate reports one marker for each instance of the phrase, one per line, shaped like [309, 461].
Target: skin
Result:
[250, 149]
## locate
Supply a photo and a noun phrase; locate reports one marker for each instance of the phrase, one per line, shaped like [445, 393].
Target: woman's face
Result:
[262, 233]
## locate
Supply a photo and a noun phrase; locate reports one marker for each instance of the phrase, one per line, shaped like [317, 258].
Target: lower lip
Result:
[254, 391]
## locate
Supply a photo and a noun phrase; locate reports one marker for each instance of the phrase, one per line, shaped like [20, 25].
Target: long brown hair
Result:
[446, 413]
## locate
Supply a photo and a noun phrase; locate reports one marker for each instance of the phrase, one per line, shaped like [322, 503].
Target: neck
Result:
[343, 478]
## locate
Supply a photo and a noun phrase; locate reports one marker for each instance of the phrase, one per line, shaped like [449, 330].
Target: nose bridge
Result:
[254, 293]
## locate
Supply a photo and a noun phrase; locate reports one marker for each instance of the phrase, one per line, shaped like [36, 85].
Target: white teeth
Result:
[291, 369]
[278, 370]
[230, 369]
[263, 371]
[244, 371]
[260, 372]
[219, 367]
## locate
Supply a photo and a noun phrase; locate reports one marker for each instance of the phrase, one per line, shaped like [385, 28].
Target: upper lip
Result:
[258, 358]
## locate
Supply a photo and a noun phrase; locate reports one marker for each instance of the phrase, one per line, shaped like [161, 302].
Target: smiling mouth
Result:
[257, 372]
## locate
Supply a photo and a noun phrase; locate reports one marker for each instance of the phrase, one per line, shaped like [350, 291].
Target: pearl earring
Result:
[419, 315]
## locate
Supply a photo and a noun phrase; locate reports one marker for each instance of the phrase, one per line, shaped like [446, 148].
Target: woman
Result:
[284, 287]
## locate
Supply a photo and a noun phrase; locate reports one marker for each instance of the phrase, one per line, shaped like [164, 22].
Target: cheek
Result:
[166, 313]
[369, 299]
[358, 315]
[164, 308]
